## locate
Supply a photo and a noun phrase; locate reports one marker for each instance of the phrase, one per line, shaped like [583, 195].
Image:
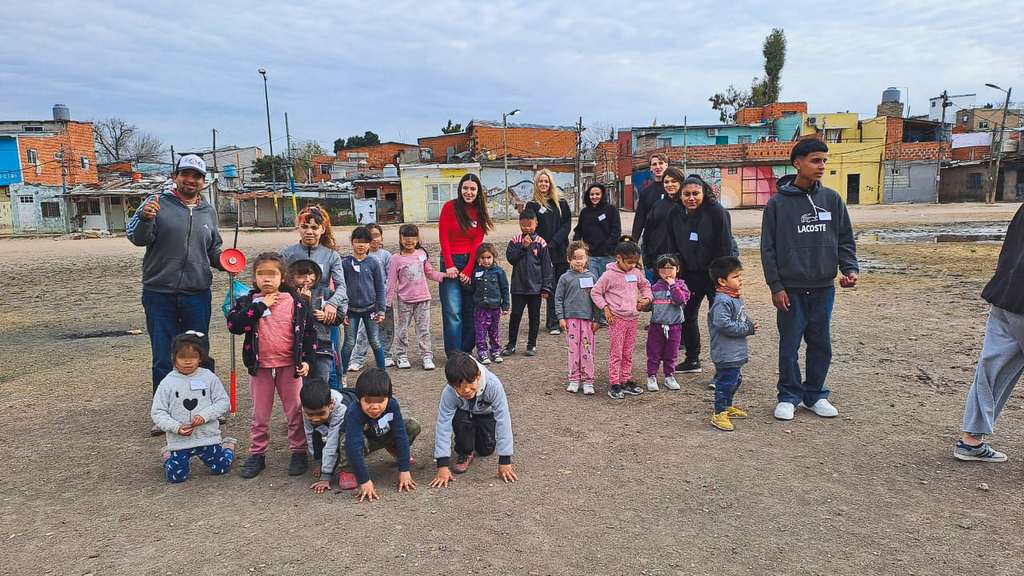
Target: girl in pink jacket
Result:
[622, 292]
[407, 280]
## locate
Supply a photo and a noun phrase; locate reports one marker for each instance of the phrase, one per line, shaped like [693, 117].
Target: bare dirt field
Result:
[639, 486]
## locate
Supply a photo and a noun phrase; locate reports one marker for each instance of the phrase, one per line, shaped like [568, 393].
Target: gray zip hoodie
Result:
[572, 296]
[805, 236]
[182, 243]
[490, 399]
[729, 327]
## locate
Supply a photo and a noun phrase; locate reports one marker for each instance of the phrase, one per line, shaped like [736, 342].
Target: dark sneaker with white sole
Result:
[980, 453]
[689, 366]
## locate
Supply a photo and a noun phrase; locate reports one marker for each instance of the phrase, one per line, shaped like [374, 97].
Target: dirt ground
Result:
[640, 486]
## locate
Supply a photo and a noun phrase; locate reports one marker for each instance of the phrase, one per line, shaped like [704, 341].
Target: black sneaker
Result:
[689, 366]
[298, 465]
[508, 351]
[253, 466]
[632, 388]
[531, 350]
[616, 392]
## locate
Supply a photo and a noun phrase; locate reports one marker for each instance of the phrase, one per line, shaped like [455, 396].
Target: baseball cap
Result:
[192, 162]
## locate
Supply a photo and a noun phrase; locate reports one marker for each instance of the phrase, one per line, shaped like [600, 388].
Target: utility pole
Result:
[174, 166]
[999, 149]
[684, 145]
[291, 164]
[942, 135]
[577, 180]
[213, 185]
[64, 190]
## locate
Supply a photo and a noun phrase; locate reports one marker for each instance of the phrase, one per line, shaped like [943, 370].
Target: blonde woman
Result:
[554, 222]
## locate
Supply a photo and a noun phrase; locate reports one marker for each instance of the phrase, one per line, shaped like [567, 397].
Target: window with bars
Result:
[90, 207]
[51, 209]
[31, 156]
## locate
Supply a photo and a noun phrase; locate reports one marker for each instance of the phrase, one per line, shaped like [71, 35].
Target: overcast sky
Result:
[402, 69]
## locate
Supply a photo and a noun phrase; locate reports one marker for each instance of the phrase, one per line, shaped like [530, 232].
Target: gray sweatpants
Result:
[999, 369]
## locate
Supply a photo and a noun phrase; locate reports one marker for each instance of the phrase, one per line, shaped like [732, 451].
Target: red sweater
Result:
[454, 240]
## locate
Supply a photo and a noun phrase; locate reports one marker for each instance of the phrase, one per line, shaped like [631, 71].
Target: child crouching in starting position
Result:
[729, 327]
[475, 408]
[376, 422]
[323, 417]
[578, 317]
[622, 292]
[186, 406]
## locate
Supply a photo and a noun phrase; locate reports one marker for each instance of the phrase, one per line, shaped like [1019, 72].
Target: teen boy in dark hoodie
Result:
[600, 227]
[648, 197]
[806, 235]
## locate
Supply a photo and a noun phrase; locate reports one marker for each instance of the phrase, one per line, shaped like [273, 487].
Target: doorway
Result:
[853, 188]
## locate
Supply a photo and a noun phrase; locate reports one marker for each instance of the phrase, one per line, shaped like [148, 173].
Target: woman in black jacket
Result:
[701, 231]
[599, 226]
[554, 221]
[657, 234]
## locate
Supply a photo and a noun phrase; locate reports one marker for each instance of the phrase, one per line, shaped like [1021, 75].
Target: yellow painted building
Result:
[426, 187]
[856, 149]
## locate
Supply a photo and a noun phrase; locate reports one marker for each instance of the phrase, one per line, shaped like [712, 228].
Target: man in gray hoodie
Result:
[806, 235]
[179, 230]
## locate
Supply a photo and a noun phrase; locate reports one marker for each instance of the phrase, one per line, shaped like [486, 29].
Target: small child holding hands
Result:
[490, 302]
[409, 295]
[376, 422]
[186, 406]
[622, 292]
[578, 317]
[323, 418]
[666, 328]
[729, 327]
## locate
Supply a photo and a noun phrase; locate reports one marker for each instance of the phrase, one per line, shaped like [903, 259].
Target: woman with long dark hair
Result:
[701, 230]
[600, 227]
[461, 229]
[554, 222]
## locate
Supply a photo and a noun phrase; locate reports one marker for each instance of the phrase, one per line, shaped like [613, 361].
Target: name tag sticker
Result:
[542, 210]
[423, 257]
[693, 236]
[630, 277]
[824, 215]
[479, 274]
[356, 267]
[197, 385]
[323, 430]
[472, 223]
[586, 282]
[662, 196]
[601, 217]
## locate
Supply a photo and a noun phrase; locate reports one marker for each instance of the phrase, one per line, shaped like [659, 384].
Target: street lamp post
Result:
[273, 169]
[504, 149]
[991, 198]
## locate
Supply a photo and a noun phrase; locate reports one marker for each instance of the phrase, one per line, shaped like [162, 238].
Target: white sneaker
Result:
[354, 367]
[670, 383]
[389, 362]
[588, 388]
[652, 383]
[403, 363]
[344, 381]
[824, 408]
[428, 363]
[573, 387]
[785, 410]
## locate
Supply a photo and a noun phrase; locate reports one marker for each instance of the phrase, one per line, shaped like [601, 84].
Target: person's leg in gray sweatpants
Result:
[999, 369]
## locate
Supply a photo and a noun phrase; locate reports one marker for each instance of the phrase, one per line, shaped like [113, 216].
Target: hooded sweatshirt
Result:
[572, 296]
[648, 196]
[667, 304]
[657, 230]
[620, 291]
[599, 226]
[805, 236]
[330, 271]
[1004, 289]
[179, 398]
[701, 237]
[490, 399]
[182, 243]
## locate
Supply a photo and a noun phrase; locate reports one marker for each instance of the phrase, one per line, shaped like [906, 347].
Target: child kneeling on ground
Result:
[186, 406]
[376, 422]
[475, 408]
[729, 327]
[323, 418]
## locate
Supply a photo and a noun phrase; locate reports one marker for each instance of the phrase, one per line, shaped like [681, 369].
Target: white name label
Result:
[479, 274]
[423, 257]
[542, 210]
[630, 277]
[472, 223]
[197, 385]
[824, 215]
[586, 282]
[356, 267]
[693, 236]
[601, 217]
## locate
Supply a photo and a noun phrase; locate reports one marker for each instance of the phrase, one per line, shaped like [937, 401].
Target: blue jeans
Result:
[167, 316]
[727, 382]
[335, 352]
[598, 264]
[456, 310]
[808, 319]
[369, 320]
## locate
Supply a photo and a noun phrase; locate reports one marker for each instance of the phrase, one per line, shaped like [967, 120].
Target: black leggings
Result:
[700, 288]
[520, 301]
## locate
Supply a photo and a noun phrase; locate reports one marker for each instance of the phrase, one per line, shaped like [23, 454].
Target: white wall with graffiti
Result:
[501, 205]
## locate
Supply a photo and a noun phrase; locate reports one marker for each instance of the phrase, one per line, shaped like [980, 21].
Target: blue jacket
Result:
[358, 424]
[490, 288]
[366, 284]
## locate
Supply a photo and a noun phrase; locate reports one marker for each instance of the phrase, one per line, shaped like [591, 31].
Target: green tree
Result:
[367, 139]
[263, 167]
[762, 91]
[339, 145]
[451, 128]
[728, 102]
[302, 155]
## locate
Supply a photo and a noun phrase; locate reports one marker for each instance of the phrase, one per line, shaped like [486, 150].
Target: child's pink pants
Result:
[622, 334]
[262, 386]
[580, 338]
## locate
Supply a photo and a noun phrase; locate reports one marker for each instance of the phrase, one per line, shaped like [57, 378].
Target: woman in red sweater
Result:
[461, 228]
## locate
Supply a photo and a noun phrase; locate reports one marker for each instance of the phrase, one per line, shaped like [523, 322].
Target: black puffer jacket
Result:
[701, 237]
[598, 224]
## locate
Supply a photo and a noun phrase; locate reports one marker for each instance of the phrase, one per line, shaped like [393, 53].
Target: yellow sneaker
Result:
[721, 421]
[735, 412]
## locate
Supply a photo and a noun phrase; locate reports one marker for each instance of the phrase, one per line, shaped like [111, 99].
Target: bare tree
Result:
[145, 147]
[113, 138]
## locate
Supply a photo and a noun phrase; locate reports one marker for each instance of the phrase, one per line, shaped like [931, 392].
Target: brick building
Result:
[377, 156]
